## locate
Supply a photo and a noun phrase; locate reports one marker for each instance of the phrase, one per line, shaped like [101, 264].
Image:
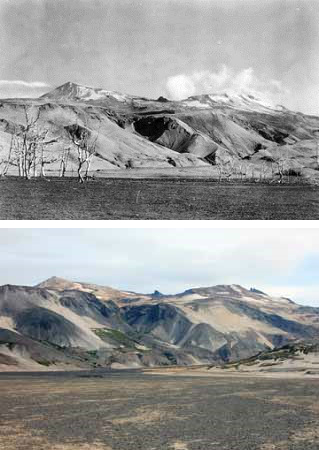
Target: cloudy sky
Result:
[278, 261]
[175, 48]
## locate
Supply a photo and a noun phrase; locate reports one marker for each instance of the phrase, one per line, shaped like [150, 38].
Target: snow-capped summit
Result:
[74, 91]
[243, 101]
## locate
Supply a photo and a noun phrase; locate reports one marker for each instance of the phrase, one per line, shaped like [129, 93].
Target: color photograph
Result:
[200, 343]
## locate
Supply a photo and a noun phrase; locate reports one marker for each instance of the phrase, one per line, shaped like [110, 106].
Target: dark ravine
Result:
[60, 324]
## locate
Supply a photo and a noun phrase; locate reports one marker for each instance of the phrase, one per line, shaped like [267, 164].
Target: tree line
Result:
[274, 169]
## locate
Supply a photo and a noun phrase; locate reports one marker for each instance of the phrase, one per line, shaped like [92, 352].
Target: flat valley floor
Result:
[155, 199]
[131, 411]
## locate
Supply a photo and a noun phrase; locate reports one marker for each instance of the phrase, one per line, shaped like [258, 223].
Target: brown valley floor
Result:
[130, 411]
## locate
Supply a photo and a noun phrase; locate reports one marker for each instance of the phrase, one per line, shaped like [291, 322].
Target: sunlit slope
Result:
[294, 358]
[115, 147]
[229, 320]
[102, 326]
[237, 133]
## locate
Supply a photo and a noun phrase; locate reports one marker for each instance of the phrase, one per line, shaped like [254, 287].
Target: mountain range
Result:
[225, 132]
[60, 324]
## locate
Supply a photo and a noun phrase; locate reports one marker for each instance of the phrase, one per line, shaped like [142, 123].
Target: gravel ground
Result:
[131, 410]
[156, 199]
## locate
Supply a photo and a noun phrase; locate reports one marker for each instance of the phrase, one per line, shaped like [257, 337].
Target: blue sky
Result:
[163, 47]
[278, 261]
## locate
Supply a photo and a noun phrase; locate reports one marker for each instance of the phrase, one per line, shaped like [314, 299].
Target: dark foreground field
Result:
[130, 411]
[155, 199]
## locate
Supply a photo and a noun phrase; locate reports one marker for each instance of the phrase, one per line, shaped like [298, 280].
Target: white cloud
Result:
[32, 84]
[181, 86]
[20, 88]
[303, 295]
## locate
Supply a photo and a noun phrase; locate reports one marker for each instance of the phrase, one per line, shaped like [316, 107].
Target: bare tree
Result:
[263, 171]
[220, 170]
[43, 160]
[30, 141]
[229, 169]
[27, 146]
[253, 173]
[8, 160]
[225, 169]
[16, 159]
[64, 160]
[287, 166]
[15, 152]
[85, 145]
[242, 172]
[280, 169]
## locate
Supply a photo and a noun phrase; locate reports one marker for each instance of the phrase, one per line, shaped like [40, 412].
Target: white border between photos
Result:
[269, 224]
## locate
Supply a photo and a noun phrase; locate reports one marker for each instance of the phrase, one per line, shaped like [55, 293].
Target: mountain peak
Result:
[55, 278]
[69, 84]
[247, 101]
[231, 292]
[75, 92]
[55, 283]
[157, 294]
[68, 90]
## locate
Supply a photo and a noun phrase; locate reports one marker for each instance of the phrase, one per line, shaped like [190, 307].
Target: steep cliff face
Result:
[175, 134]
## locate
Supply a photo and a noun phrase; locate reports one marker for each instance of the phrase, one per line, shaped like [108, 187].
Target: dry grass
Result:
[142, 416]
[159, 413]
[178, 445]
[12, 436]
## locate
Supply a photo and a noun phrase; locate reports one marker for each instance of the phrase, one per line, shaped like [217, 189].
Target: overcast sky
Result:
[278, 261]
[163, 47]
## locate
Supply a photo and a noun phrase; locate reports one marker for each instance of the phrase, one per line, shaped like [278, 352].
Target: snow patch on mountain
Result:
[243, 101]
[195, 104]
[74, 91]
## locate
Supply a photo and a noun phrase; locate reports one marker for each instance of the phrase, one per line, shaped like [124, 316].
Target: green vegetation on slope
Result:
[118, 337]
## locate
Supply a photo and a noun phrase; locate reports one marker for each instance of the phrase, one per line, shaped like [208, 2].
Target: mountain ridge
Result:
[228, 134]
[75, 91]
[98, 326]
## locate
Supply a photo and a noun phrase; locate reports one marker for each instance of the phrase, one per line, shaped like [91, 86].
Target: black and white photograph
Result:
[159, 109]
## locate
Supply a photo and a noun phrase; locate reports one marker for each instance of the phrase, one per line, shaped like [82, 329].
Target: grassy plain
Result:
[157, 199]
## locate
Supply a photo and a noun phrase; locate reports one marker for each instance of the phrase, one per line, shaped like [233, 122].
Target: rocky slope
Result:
[234, 135]
[61, 323]
[294, 358]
